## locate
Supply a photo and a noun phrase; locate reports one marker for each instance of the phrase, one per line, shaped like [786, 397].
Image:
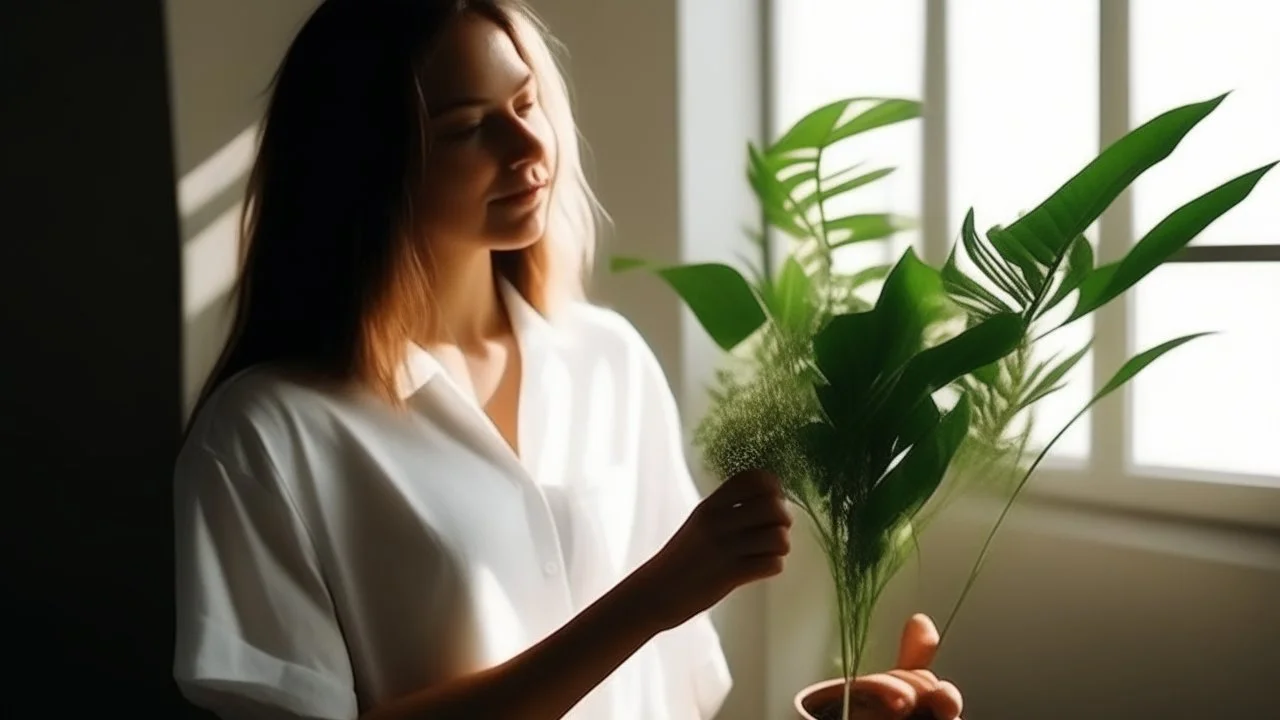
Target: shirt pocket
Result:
[603, 518]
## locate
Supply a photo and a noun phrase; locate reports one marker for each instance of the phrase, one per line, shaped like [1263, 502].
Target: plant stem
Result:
[827, 260]
[986, 546]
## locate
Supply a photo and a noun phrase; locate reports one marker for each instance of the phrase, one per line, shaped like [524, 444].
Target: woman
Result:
[426, 480]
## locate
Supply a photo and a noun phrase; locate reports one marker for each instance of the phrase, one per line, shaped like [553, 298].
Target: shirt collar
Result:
[532, 332]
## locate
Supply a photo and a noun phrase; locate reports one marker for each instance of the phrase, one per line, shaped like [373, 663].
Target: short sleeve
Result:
[256, 633]
[697, 671]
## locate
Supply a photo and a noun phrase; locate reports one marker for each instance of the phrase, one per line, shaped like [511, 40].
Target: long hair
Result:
[333, 279]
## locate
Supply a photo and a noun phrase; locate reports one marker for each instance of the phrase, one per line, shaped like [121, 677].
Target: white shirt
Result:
[333, 555]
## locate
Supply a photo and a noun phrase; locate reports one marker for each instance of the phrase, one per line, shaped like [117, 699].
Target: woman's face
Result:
[492, 152]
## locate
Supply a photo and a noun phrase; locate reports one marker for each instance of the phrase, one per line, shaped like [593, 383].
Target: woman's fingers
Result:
[772, 540]
[945, 701]
[916, 652]
[758, 512]
[919, 643]
[758, 567]
[941, 697]
[893, 692]
[742, 487]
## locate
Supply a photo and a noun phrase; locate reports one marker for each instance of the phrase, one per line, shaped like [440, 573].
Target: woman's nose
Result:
[524, 147]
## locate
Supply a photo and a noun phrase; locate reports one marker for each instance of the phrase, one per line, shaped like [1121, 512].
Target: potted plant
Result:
[863, 391]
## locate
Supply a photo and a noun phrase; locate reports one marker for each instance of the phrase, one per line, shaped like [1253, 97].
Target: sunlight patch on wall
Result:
[210, 198]
[209, 263]
[217, 173]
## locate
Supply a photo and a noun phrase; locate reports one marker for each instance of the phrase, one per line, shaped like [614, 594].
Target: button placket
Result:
[545, 538]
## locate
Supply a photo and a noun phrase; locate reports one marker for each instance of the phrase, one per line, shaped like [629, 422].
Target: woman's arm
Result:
[548, 679]
[735, 536]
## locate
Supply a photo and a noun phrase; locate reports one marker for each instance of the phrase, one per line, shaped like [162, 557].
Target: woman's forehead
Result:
[474, 61]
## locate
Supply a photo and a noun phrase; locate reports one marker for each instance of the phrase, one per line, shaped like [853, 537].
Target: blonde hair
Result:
[333, 280]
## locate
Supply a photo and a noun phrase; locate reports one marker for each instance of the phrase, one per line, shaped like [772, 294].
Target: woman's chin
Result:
[516, 233]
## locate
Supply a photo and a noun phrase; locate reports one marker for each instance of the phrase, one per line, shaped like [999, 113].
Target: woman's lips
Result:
[528, 196]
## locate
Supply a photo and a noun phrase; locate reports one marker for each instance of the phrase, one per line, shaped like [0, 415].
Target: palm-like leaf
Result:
[1039, 261]
[796, 188]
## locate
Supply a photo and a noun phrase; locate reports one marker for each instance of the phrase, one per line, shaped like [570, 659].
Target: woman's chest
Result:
[434, 533]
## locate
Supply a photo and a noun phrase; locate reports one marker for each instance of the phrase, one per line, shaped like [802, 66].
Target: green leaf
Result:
[828, 192]
[961, 286]
[774, 201]
[848, 356]
[995, 268]
[905, 489]
[791, 302]
[911, 300]
[812, 130]
[918, 424]
[1019, 255]
[987, 374]
[864, 227]
[719, 297]
[934, 368]
[819, 128]
[1079, 265]
[1167, 237]
[1053, 377]
[887, 111]
[796, 179]
[619, 263]
[1039, 395]
[1078, 202]
[1138, 363]
[980, 345]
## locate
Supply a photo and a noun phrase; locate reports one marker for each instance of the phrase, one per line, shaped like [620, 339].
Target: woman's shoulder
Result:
[260, 409]
[601, 323]
[604, 332]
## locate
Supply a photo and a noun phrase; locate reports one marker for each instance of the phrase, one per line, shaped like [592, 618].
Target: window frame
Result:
[1108, 478]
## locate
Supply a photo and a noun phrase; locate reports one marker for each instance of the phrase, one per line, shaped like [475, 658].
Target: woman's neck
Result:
[467, 295]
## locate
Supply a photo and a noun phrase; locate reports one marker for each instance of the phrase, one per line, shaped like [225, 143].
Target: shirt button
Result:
[550, 568]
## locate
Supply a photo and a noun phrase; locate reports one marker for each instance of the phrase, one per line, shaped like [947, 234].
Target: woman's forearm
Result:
[548, 679]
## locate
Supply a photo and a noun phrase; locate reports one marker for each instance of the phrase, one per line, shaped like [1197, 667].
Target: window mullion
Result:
[1110, 425]
[935, 232]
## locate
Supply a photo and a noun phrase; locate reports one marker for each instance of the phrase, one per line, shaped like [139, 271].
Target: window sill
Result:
[1240, 502]
[1111, 525]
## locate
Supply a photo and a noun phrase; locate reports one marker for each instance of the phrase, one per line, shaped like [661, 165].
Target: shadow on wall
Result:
[218, 99]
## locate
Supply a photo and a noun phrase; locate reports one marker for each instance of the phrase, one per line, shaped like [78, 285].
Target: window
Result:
[1018, 97]
[1228, 421]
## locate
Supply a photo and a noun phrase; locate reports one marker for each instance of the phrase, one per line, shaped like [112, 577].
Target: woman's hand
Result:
[738, 534]
[911, 690]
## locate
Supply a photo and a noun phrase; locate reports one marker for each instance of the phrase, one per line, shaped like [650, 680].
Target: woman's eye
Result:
[463, 132]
